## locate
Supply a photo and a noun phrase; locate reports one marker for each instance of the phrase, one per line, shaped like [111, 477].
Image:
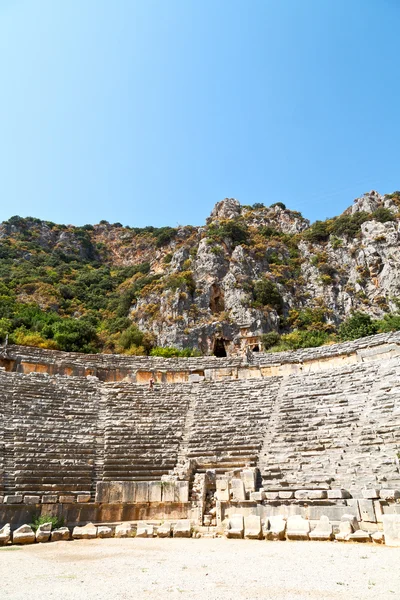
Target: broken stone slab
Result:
[252, 527]
[352, 520]
[66, 499]
[248, 476]
[391, 530]
[104, 532]
[15, 499]
[155, 491]
[43, 532]
[60, 534]
[238, 490]
[182, 529]
[87, 532]
[5, 534]
[347, 526]
[378, 537]
[83, 498]
[389, 495]
[31, 499]
[164, 530]
[145, 531]
[370, 494]
[235, 527]
[359, 536]
[223, 489]
[50, 499]
[257, 496]
[323, 530]
[124, 530]
[24, 535]
[275, 528]
[297, 528]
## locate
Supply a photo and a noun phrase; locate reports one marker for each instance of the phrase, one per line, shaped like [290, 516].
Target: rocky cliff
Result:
[217, 288]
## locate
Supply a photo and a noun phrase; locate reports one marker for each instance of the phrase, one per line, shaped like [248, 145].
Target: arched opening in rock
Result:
[217, 304]
[256, 348]
[219, 348]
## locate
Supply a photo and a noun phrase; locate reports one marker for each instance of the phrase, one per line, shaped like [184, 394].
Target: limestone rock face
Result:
[228, 208]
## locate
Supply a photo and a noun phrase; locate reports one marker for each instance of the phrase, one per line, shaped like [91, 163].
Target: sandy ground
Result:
[198, 569]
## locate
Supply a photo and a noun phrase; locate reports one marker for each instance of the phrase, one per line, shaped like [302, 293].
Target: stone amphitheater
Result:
[295, 445]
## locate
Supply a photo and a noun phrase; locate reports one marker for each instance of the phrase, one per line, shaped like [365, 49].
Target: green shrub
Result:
[358, 325]
[170, 352]
[390, 322]
[258, 205]
[38, 520]
[266, 293]
[270, 339]
[280, 204]
[383, 215]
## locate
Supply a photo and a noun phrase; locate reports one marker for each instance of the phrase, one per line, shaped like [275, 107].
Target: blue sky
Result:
[150, 111]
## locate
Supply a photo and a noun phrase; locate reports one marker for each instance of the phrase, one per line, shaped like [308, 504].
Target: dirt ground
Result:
[122, 569]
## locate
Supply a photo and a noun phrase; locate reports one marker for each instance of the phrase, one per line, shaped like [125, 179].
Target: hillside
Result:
[250, 271]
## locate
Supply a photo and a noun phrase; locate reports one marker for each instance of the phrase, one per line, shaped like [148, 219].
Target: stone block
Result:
[345, 530]
[391, 530]
[145, 531]
[5, 534]
[102, 492]
[275, 529]
[16, 499]
[168, 491]
[248, 477]
[116, 491]
[337, 494]
[31, 499]
[24, 535]
[297, 528]
[301, 494]
[272, 495]
[235, 528]
[317, 494]
[182, 529]
[223, 489]
[285, 495]
[104, 532]
[67, 499]
[257, 496]
[124, 530]
[83, 498]
[238, 491]
[370, 494]
[359, 536]
[142, 491]
[252, 527]
[155, 491]
[354, 508]
[389, 495]
[87, 532]
[50, 499]
[181, 491]
[378, 510]
[129, 492]
[1, 499]
[367, 513]
[164, 530]
[378, 537]
[62, 534]
[43, 532]
[323, 530]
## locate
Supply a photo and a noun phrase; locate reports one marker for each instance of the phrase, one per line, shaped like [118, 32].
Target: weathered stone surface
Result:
[275, 529]
[104, 532]
[323, 530]
[31, 499]
[285, 495]
[81, 498]
[164, 530]
[378, 537]
[66, 499]
[252, 527]
[391, 530]
[182, 529]
[257, 496]
[43, 532]
[238, 491]
[155, 491]
[87, 532]
[223, 489]
[168, 491]
[144, 531]
[317, 494]
[371, 494]
[359, 536]
[17, 499]
[235, 527]
[389, 495]
[60, 534]
[142, 491]
[272, 495]
[367, 512]
[337, 494]
[116, 490]
[181, 491]
[102, 492]
[124, 530]
[5, 534]
[49, 499]
[24, 535]
[297, 528]
[249, 479]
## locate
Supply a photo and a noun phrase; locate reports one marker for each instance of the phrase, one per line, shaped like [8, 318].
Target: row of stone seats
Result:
[297, 528]
[49, 433]
[228, 422]
[316, 431]
[143, 430]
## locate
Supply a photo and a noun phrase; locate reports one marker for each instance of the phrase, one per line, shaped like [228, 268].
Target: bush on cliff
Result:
[356, 326]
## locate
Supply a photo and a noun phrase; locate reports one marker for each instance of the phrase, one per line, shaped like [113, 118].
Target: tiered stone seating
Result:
[229, 421]
[143, 431]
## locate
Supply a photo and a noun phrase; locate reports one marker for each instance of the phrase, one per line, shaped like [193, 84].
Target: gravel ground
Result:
[209, 569]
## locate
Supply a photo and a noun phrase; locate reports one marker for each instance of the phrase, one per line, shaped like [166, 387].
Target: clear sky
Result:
[150, 111]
